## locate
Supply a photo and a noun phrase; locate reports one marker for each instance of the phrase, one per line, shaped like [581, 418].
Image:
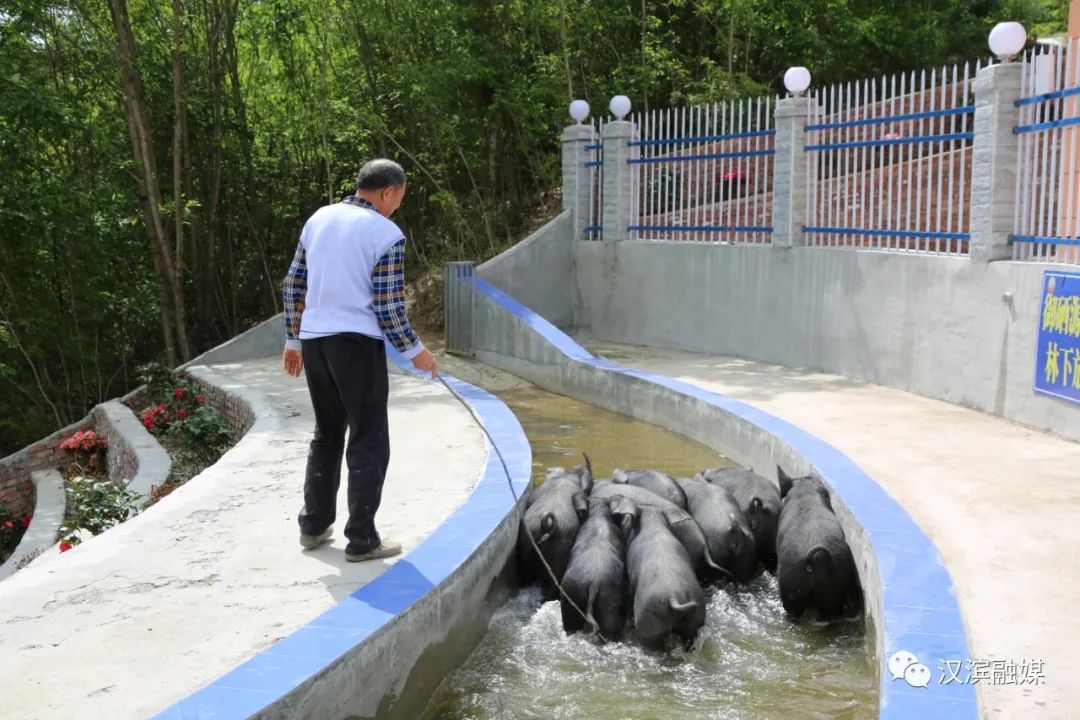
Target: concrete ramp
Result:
[151, 611]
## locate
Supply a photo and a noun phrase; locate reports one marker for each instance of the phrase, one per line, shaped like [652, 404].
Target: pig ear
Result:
[675, 515]
[625, 511]
[785, 481]
[581, 506]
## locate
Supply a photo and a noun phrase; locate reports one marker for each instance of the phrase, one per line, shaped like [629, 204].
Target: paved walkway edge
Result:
[910, 600]
[143, 462]
[385, 648]
[49, 507]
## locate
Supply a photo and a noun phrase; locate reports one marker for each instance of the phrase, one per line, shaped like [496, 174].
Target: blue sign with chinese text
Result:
[1057, 363]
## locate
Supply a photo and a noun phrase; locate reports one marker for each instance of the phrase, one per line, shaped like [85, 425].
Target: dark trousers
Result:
[347, 379]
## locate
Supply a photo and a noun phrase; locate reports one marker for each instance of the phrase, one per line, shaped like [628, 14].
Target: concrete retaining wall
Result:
[266, 338]
[539, 270]
[910, 601]
[942, 327]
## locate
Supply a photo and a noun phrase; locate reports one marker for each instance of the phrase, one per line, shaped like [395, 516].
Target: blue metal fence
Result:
[1046, 225]
[704, 173]
[889, 164]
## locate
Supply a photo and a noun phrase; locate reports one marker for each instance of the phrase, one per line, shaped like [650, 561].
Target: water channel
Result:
[750, 661]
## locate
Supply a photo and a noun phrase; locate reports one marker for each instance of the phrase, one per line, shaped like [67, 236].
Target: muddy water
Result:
[749, 662]
[560, 428]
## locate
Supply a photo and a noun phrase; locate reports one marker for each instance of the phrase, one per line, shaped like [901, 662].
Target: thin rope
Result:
[517, 500]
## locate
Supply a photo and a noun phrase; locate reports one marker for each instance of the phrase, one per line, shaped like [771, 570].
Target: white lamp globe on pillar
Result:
[796, 80]
[620, 106]
[1007, 40]
[579, 110]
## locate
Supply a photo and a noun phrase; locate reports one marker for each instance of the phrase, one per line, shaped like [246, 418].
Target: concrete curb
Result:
[151, 461]
[910, 600]
[49, 508]
[384, 649]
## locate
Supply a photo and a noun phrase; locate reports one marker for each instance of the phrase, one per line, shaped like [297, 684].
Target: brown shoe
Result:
[309, 542]
[384, 550]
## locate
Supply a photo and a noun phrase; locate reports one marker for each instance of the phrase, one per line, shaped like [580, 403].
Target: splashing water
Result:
[749, 661]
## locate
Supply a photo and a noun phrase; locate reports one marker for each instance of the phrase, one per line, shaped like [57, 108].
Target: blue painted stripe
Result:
[705, 228]
[887, 233]
[1039, 127]
[1032, 99]
[703, 138]
[594, 228]
[1044, 240]
[537, 322]
[594, 146]
[297, 658]
[594, 163]
[949, 137]
[966, 109]
[691, 158]
[921, 614]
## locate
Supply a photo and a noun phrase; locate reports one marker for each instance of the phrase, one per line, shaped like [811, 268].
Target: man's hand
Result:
[425, 361]
[293, 362]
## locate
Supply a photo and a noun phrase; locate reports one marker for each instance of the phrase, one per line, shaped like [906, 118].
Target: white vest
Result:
[343, 243]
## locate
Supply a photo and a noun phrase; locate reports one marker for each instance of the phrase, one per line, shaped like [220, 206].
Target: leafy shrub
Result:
[94, 505]
[203, 433]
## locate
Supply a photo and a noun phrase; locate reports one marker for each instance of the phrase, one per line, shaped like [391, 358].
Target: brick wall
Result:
[17, 492]
[122, 461]
[237, 413]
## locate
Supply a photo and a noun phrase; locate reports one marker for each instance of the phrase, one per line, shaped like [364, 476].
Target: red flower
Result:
[26, 521]
[181, 414]
[200, 399]
[9, 525]
[178, 393]
[148, 423]
[65, 546]
[161, 407]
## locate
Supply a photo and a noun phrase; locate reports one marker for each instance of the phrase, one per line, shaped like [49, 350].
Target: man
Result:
[344, 293]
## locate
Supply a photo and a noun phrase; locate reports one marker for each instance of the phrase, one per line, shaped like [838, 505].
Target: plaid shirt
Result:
[388, 291]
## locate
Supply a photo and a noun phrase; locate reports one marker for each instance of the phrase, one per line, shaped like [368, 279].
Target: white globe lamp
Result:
[796, 80]
[620, 106]
[579, 110]
[1007, 40]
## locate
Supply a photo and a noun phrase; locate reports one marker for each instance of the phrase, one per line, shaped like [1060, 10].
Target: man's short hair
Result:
[379, 174]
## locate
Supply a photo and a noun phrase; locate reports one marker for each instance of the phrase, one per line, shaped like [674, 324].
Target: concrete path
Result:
[1000, 501]
[150, 611]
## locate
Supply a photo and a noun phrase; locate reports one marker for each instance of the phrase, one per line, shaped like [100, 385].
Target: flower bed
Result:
[12, 527]
[192, 430]
[94, 502]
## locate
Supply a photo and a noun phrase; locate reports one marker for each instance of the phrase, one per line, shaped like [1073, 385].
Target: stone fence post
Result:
[993, 169]
[618, 181]
[789, 174]
[575, 176]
